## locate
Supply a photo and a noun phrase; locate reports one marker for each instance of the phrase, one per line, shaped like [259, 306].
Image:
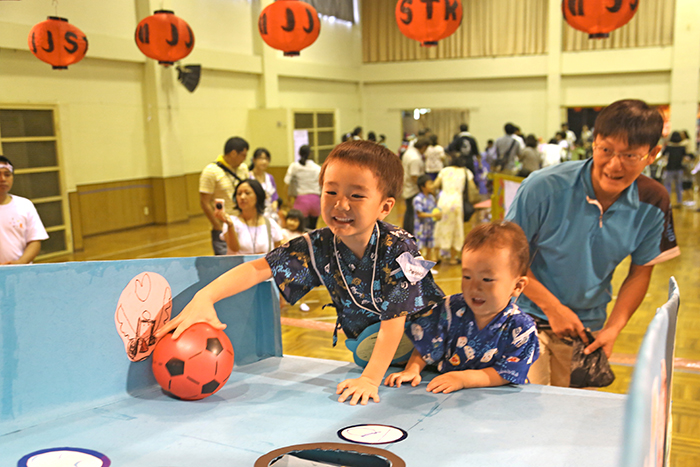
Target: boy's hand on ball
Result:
[199, 310]
[361, 389]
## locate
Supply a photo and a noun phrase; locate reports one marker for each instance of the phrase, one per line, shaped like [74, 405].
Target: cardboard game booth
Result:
[71, 396]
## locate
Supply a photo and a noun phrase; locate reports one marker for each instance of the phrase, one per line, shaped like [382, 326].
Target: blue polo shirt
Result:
[575, 247]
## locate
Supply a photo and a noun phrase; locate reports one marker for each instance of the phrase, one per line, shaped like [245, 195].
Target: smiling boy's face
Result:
[351, 203]
[489, 280]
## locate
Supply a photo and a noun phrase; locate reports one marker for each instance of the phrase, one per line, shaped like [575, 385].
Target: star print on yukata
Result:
[448, 337]
[394, 295]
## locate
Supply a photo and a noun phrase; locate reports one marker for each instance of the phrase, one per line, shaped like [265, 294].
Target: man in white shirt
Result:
[413, 167]
[21, 230]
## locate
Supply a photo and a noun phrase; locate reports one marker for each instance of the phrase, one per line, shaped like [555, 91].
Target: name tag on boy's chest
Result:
[415, 269]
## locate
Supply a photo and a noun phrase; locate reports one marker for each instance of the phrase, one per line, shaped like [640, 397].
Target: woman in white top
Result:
[250, 232]
[302, 177]
[258, 171]
[434, 158]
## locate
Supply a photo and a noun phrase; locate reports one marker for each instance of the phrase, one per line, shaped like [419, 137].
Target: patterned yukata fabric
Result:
[394, 295]
[449, 337]
[424, 226]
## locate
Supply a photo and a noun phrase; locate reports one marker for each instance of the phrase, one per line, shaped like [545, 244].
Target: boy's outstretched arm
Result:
[456, 380]
[410, 374]
[367, 385]
[201, 307]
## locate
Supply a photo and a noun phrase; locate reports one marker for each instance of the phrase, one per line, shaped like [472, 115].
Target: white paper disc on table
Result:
[64, 457]
[372, 434]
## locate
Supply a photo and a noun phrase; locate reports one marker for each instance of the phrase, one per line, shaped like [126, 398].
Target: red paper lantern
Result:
[428, 21]
[164, 37]
[289, 26]
[598, 17]
[57, 42]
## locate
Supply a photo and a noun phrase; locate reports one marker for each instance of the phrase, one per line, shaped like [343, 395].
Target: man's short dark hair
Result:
[632, 120]
[421, 143]
[504, 234]
[510, 128]
[5, 160]
[384, 164]
[236, 143]
[464, 127]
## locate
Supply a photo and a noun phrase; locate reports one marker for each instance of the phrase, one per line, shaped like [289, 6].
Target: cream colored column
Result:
[269, 81]
[554, 100]
[161, 108]
[685, 67]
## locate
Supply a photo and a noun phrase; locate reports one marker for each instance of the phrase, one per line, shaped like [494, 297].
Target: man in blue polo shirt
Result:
[582, 219]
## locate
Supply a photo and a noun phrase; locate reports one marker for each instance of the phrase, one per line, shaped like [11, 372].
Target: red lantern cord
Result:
[164, 37]
[428, 21]
[289, 25]
[598, 17]
[57, 42]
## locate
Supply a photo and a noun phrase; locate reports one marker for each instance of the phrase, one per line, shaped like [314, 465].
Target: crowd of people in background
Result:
[441, 184]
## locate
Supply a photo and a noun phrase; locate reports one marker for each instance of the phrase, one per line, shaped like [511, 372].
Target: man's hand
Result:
[361, 389]
[405, 376]
[605, 339]
[447, 382]
[565, 323]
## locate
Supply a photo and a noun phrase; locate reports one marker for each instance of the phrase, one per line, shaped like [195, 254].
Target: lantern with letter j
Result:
[57, 42]
[598, 17]
[428, 21]
[164, 37]
[289, 26]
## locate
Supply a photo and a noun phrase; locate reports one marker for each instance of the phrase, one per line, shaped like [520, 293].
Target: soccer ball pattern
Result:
[194, 366]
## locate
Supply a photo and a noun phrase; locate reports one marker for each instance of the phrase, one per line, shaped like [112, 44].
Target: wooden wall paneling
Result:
[278, 173]
[107, 207]
[170, 199]
[75, 220]
[192, 187]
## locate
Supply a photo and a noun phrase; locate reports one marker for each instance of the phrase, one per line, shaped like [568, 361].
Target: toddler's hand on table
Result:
[361, 389]
[395, 379]
[446, 383]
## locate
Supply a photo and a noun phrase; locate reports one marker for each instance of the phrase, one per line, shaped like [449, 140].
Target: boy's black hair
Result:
[504, 234]
[259, 194]
[371, 136]
[509, 128]
[236, 143]
[632, 120]
[463, 127]
[298, 215]
[676, 137]
[422, 180]
[384, 164]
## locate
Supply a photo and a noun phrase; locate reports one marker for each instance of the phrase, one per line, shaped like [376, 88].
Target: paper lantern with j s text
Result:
[57, 42]
[598, 17]
[164, 37]
[289, 26]
[428, 21]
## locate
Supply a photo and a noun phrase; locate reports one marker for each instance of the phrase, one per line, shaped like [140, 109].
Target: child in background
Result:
[426, 213]
[478, 338]
[294, 225]
[370, 268]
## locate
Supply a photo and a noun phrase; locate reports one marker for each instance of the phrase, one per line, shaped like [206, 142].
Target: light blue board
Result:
[60, 351]
[285, 401]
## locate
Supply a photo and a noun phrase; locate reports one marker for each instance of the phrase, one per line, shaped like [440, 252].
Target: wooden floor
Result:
[307, 333]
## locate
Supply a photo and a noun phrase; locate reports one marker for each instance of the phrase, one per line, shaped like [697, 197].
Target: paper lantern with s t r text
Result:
[57, 42]
[598, 17]
[289, 26]
[428, 21]
[164, 37]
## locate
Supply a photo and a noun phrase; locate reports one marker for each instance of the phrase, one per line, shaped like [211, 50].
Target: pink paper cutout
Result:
[144, 306]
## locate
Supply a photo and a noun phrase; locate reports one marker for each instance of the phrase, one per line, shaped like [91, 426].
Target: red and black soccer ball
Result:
[194, 366]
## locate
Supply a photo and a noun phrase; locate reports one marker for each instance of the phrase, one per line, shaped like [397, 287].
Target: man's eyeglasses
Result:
[628, 158]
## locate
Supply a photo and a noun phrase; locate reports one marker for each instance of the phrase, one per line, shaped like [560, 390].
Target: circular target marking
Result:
[64, 457]
[372, 434]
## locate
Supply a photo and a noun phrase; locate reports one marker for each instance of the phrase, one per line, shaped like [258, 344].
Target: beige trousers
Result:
[553, 368]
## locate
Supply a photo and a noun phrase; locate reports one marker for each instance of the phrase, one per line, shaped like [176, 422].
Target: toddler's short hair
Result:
[422, 180]
[384, 164]
[502, 235]
[630, 119]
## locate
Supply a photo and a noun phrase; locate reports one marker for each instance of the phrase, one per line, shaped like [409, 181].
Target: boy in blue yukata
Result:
[425, 214]
[372, 270]
[478, 338]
